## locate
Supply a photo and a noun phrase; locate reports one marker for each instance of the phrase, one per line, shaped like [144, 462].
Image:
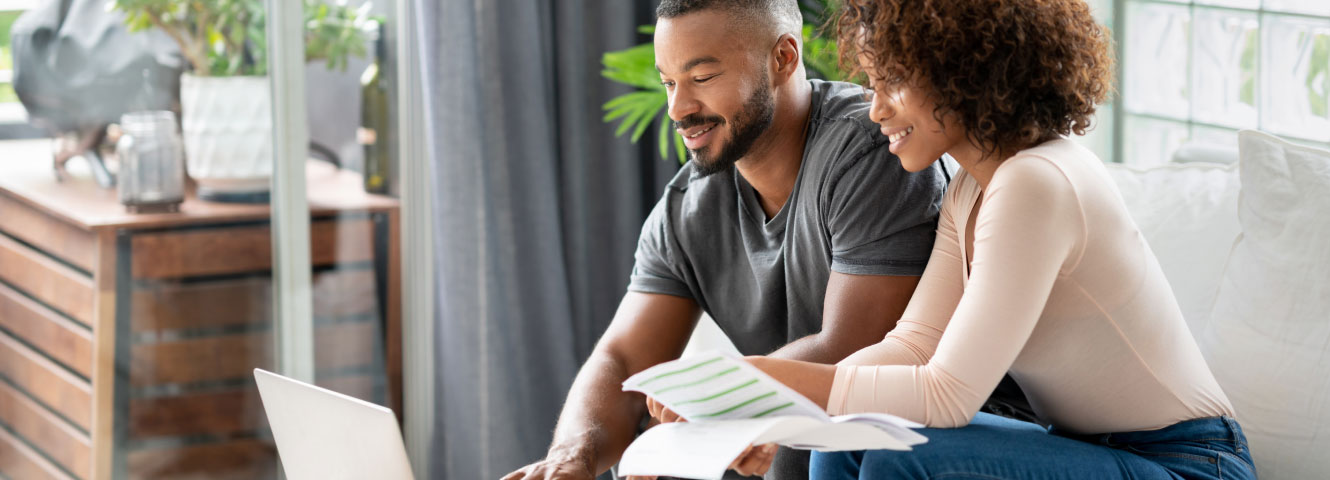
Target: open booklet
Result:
[729, 405]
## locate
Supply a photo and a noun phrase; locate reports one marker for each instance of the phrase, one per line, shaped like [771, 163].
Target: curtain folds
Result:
[539, 207]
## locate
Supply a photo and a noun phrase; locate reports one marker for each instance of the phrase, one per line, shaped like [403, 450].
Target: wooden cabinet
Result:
[127, 341]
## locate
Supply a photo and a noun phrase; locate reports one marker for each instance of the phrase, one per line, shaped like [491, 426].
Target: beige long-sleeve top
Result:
[1061, 290]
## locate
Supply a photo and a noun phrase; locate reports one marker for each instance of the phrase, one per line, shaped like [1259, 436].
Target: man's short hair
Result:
[781, 16]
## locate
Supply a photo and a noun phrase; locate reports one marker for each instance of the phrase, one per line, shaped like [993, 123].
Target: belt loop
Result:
[1235, 432]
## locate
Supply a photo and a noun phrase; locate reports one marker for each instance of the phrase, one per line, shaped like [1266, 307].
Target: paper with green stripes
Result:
[718, 386]
[729, 405]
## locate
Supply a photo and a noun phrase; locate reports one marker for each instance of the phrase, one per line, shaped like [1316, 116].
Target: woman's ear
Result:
[787, 57]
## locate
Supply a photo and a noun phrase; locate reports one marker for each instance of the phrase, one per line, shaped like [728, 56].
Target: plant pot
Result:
[228, 135]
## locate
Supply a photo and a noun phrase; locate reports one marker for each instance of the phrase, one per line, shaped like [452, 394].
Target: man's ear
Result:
[786, 58]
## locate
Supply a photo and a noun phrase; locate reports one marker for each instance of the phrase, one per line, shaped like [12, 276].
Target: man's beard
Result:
[749, 124]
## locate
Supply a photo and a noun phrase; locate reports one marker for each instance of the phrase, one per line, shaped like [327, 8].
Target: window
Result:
[13, 118]
[1201, 70]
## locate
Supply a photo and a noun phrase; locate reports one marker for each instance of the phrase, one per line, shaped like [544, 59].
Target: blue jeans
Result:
[992, 447]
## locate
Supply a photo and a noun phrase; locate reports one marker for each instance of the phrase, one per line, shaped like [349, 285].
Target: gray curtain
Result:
[539, 207]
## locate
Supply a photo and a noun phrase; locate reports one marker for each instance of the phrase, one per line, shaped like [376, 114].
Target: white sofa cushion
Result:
[1268, 339]
[1188, 215]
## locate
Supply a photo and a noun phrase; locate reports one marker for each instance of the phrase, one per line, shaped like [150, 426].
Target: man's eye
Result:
[667, 83]
[704, 79]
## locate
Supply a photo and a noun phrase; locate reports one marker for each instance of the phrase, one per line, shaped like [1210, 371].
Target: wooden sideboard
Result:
[127, 341]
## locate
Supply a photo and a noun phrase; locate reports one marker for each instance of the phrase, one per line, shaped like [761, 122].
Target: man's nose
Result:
[682, 104]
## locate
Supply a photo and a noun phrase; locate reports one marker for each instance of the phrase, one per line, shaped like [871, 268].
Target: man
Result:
[792, 226]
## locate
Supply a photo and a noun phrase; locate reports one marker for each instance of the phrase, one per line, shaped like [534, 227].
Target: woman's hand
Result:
[662, 414]
[755, 460]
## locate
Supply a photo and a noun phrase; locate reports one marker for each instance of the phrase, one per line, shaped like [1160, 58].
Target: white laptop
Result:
[322, 434]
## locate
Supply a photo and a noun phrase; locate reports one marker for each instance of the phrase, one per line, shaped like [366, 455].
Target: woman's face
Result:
[905, 113]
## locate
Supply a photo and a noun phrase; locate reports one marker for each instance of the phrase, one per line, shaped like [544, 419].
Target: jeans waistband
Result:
[1210, 429]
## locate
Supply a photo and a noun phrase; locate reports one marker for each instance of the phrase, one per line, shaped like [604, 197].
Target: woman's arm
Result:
[1028, 230]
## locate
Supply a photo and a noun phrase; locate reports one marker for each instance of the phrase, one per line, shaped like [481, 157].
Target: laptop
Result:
[322, 434]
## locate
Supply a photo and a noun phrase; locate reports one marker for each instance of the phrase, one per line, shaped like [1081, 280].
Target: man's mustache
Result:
[696, 120]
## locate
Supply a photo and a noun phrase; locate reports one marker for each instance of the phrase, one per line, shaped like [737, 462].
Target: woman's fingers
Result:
[659, 412]
[755, 460]
[655, 408]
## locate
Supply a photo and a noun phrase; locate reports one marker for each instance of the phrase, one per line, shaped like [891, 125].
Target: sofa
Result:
[1243, 236]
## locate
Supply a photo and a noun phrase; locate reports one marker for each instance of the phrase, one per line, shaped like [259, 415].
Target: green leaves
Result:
[229, 37]
[821, 56]
[636, 66]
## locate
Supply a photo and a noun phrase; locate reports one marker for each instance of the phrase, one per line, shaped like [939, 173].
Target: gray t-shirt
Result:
[853, 210]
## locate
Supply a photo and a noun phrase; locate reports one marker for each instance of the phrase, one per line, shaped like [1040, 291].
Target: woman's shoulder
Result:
[1056, 167]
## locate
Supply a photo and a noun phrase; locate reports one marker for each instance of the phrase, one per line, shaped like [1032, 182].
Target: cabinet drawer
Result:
[246, 459]
[228, 250]
[244, 301]
[234, 356]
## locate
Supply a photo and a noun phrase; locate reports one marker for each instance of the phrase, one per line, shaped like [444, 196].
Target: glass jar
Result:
[152, 165]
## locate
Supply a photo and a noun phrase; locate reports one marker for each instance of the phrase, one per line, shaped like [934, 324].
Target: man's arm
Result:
[599, 419]
[858, 311]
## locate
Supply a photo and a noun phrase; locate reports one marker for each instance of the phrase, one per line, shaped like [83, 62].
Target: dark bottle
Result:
[373, 133]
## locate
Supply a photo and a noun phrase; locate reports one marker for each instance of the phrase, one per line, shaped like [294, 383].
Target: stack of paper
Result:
[729, 405]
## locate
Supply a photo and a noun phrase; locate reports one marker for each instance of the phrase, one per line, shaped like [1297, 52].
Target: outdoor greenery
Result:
[6, 56]
[636, 66]
[228, 37]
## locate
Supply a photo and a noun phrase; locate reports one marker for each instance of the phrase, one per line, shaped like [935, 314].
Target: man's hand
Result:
[661, 414]
[556, 467]
[755, 460]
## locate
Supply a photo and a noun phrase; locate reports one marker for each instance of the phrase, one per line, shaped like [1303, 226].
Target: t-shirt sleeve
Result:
[659, 266]
[881, 218]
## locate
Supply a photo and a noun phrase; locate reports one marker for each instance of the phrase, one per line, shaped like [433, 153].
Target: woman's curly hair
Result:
[1016, 72]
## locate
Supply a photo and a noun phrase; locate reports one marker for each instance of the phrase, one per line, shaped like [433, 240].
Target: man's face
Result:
[719, 90]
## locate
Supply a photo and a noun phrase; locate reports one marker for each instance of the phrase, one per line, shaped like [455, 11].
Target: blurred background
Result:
[429, 205]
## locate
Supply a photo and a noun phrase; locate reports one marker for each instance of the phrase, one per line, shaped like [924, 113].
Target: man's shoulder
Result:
[841, 131]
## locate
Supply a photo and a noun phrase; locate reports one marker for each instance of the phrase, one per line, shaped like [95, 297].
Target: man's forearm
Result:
[599, 419]
[817, 348]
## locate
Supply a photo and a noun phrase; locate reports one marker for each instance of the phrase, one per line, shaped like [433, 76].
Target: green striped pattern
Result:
[684, 370]
[704, 380]
[713, 397]
[740, 405]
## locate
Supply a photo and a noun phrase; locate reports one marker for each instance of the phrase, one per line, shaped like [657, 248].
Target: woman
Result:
[1037, 268]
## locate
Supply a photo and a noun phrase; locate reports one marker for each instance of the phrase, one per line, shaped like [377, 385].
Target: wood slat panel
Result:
[19, 461]
[47, 280]
[228, 412]
[55, 336]
[247, 459]
[223, 413]
[219, 251]
[244, 301]
[46, 381]
[45, 431]
[55, 236]
[235, 356]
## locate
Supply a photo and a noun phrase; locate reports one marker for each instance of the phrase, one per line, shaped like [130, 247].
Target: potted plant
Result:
[636, 66]
[225, 99]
